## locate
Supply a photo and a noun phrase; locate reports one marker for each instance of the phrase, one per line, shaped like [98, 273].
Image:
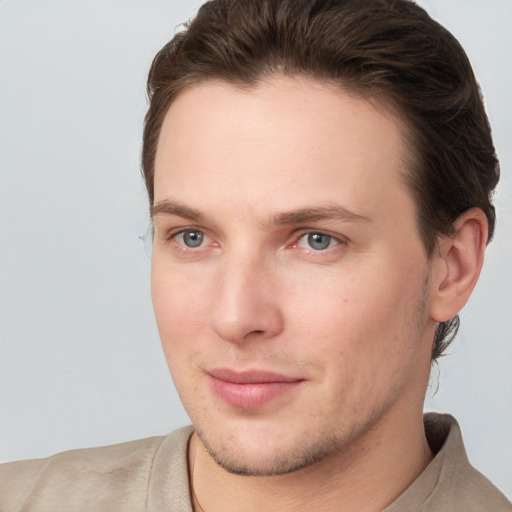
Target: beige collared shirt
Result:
[151, 475]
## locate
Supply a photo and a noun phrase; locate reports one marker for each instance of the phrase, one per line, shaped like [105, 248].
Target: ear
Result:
[458, 264]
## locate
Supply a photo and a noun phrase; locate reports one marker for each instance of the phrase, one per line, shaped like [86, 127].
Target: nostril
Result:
[258, 331]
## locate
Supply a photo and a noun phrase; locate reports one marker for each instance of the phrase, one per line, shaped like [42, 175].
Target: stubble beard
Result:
[300, 456]
[314, 447]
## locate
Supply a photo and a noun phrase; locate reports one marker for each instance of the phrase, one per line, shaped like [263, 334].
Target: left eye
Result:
[317, 241]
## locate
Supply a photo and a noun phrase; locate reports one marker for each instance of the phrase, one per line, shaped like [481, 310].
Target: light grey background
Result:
[81, 363]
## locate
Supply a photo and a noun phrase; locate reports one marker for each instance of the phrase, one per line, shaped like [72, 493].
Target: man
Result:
[319, 177]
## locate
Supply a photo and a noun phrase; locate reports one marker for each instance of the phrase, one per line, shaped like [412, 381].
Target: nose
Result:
[246, 305]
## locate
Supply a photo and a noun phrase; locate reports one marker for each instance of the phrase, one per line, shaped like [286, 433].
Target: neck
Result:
[367, 476]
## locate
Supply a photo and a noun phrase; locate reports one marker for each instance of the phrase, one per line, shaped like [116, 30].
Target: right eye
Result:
[190, 238]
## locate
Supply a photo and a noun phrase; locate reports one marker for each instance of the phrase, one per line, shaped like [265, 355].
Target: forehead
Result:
[287, 138]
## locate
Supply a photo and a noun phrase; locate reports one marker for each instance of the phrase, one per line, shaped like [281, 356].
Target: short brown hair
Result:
[388, 50]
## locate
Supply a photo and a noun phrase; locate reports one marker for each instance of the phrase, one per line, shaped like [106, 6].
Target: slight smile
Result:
[250, 389]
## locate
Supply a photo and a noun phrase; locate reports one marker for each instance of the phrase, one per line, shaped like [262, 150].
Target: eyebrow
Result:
[172, 208]
[332, 211]
[298, 216]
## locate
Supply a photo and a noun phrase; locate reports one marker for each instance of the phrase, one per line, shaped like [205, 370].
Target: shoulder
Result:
[460, 486]
[115, 477]
[449, 483]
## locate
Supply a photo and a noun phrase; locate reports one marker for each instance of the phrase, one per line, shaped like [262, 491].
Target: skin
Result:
[286, 241]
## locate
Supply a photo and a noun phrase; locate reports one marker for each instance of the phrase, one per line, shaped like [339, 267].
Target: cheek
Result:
[180, 315]
[364, 325]
[181, 306]
[341, 306]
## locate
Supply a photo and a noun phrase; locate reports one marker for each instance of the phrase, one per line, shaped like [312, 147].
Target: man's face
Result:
[290, 285]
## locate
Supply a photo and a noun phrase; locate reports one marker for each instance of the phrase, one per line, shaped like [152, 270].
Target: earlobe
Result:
[458, 265]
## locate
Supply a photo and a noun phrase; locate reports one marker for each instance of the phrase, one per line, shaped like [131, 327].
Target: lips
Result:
[250, 389]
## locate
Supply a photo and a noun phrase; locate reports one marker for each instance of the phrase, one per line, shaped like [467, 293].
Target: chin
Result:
[245, 457]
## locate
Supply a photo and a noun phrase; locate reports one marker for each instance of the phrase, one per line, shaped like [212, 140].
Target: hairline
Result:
[383, 103]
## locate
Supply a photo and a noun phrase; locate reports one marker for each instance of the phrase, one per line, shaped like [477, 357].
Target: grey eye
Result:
[192, 238]
[319, 241]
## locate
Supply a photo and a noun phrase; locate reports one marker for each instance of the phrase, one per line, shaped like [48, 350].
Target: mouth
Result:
[250, 389]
